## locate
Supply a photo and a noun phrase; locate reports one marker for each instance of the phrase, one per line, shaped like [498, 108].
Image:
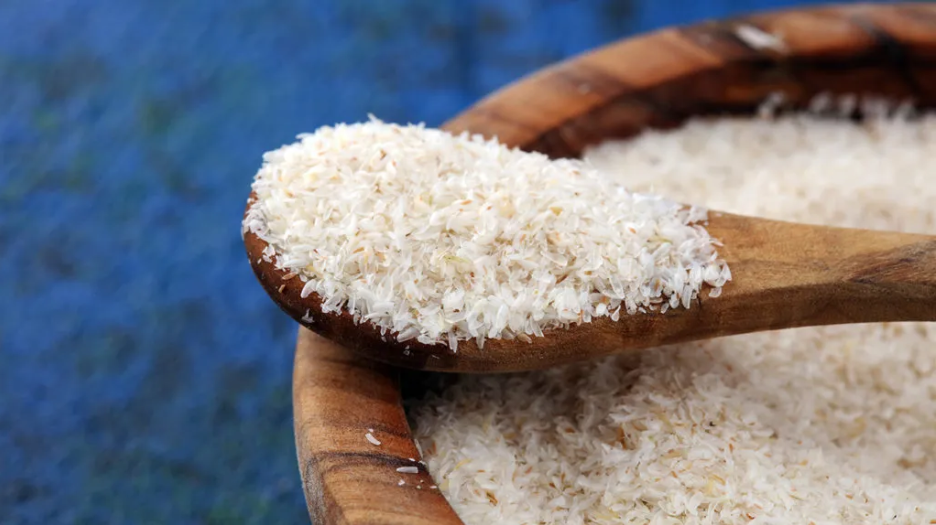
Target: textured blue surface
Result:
[145, 375]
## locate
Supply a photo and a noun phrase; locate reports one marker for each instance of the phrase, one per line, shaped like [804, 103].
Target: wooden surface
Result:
[338, 399]
[655, 80]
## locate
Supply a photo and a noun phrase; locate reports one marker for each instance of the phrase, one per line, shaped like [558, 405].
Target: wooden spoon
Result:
[784, 275]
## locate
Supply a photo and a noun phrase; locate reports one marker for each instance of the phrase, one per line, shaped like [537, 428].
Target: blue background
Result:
[144, 375]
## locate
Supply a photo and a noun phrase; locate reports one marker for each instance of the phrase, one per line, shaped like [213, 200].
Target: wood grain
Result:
[338, 398]
[660, 79]
[656, 80]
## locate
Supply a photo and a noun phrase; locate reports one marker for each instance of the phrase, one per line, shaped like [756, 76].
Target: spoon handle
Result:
[788, 275]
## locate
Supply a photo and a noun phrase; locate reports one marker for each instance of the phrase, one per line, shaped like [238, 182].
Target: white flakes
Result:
[401, 483]
[827, 425]
[440, 238]
[759, 39]
[408, 470]
[370, 437]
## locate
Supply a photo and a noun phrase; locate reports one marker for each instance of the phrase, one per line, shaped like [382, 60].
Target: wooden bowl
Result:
[657, 80]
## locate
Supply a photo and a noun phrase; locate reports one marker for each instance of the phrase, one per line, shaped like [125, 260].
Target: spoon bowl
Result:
[784, 275]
